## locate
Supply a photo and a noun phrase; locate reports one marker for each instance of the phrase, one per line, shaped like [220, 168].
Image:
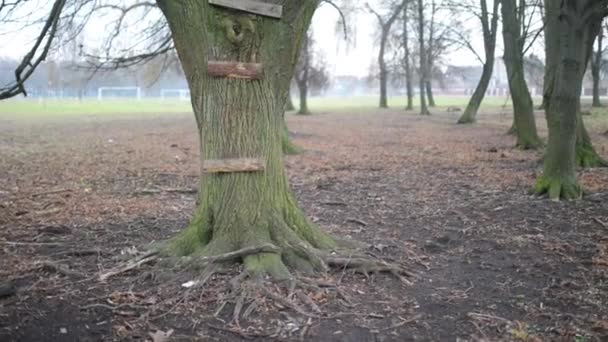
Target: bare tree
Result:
[597, 62]
[489, 28]
[385, 23]
[422, 70]
[515, 31]
[407, 56]
[571, 27]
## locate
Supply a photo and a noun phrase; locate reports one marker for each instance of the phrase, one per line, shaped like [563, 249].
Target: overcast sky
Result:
[354, 60]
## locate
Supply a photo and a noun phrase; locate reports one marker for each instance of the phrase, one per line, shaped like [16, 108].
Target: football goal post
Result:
[182, 94]
[118, 92]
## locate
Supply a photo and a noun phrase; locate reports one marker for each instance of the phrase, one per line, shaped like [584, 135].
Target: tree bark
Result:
[596, 67]
[288, 146]
[423, 63]
[490, 30]
[571, 30]
[587, 156]
[524, 123]
[382, 65]
[429, 94]
[244, 119]
[408, 68]
[303, 89]
[385, 27]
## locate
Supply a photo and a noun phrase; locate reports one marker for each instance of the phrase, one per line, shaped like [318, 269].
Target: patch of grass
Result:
[56, 109]
[367, 103]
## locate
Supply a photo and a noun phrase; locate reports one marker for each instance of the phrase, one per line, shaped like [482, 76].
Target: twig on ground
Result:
[402, 323]
[129, 266]
[357, 221]
[58, 268]
[18, 243]
[51, 192]
[184, 191]
[335, 203]
[600, 222]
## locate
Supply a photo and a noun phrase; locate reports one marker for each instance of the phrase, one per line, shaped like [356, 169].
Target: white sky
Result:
[354, 60]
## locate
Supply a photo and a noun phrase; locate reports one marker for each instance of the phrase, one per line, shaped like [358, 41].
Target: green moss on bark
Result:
[558, 188]
[244, 119]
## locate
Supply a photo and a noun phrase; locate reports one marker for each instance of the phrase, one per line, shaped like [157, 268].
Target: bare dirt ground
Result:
[79, 196]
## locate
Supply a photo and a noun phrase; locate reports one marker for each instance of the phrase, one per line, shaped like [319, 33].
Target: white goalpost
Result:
[182, 94]
[118, 92]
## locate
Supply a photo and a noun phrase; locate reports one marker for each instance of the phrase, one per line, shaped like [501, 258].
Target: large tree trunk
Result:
[429, 94]
[423, 63]
[523, 107]
[408, 68]
[470, 113]
[490, 30]
[571, 36]
[288, 146]
[241, 118]
[596, 67]
[587, 157]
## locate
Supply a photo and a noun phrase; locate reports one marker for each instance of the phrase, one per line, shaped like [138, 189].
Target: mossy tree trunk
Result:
[288, 146]
[240, 118]
[524, 124]
[406, 59]
[586, 155]
[572, 26]
[596, 67]
[489, 28]
[424, 110]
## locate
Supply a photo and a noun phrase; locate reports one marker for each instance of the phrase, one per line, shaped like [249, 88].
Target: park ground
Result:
[86, 188]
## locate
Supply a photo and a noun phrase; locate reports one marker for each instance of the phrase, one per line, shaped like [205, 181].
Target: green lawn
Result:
[19, 108]
[54, 109]
[366, 103]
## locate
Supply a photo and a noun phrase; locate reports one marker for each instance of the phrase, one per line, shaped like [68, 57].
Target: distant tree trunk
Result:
[385, 29]
[302, 77]
[383, 71]
[429, 58]
[571, 30]
[408, 68]
[243, 118]
[423, 63]
[596, 67]
[429, 94]
[490, 30]
[303, 89]
[523, 106]
[288, 146]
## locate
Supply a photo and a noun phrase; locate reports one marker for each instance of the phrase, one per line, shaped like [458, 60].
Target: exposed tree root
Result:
[587, 157]
[558, 189]
[529, 144]
[466, 119]
[512, 130]
[288, 146]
